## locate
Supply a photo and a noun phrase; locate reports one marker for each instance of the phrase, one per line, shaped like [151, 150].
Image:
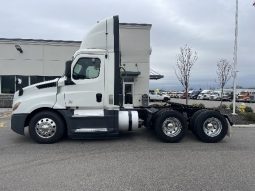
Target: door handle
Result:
[99, 97]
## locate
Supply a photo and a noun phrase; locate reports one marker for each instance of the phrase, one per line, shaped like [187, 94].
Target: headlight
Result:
[16, 105]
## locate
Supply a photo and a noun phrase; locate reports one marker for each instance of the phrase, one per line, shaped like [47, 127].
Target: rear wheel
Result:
[210, 126]
[194, 118]
[170, 126]
[46, 127]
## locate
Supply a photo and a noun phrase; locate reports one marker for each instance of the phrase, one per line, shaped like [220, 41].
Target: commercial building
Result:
[32, 61]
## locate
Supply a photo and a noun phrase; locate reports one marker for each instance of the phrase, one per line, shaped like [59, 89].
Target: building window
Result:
[8, 84]
[36, 79]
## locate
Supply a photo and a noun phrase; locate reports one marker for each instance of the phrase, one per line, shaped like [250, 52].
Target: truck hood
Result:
[38, 93]
[37, 88]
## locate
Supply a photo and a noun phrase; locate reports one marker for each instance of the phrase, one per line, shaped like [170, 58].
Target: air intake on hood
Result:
[49, 85]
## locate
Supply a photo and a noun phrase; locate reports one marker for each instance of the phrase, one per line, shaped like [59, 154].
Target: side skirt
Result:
[91, 126]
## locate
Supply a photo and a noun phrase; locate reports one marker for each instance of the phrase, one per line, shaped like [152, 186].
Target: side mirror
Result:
[68, 69]
[68, 73]
[19, 81]
[19, 86]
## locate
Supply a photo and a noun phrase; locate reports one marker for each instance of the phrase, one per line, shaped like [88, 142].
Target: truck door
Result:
[87, 89]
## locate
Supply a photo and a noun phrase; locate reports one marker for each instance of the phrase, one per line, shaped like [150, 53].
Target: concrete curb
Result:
[244, 126]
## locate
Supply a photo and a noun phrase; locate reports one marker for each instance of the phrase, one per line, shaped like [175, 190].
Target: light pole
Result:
[235, 59]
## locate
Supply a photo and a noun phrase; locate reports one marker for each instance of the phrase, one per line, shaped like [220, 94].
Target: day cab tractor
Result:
[104, 91]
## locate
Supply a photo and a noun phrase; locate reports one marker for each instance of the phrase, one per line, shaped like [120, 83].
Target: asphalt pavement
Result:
[134, 161]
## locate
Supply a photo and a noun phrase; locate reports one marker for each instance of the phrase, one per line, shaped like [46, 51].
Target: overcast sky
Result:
[207, 26]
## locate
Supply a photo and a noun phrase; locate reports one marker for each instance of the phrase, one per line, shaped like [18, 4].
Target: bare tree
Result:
[185, 60]
[224, 70]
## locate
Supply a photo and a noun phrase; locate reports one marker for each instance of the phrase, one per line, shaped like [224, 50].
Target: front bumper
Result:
[18, 123]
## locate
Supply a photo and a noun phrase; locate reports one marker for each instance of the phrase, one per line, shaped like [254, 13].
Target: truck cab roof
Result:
[89, 51]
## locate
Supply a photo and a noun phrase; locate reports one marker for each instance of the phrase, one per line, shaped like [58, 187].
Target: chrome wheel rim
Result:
[171, 127]
[45, 128]
[212, 127]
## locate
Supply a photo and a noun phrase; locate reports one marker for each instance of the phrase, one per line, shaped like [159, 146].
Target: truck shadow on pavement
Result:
[141, 135]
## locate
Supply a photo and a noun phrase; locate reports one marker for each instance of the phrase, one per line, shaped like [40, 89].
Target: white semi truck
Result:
[104, 91]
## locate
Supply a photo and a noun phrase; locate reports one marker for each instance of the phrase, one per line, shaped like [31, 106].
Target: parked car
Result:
[204, 95]
[227, 96]
[165, 94]
[156, 96]
[215, 95]
[245, 96]
[252, 97]
[173, 94]
[194, 94]
[184, 95]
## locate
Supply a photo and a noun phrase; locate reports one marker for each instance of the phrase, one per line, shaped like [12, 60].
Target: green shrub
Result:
[248, 109]
[231, 107]
[201, 105]
[249, 116]
[223, 106]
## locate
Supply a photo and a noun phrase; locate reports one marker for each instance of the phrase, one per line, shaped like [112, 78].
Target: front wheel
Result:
[210, 126]
[170, 126]
[46, 127]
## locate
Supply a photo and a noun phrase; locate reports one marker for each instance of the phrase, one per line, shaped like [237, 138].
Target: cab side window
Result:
[86, 68]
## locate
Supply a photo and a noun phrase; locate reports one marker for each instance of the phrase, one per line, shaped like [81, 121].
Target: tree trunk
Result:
[186, 95]
[221, 97]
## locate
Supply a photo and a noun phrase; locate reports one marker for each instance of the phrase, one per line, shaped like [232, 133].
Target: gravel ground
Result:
[236, 119]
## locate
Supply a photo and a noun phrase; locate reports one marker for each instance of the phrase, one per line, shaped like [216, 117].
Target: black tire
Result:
[50, 119]
[154, 117]
[161, 121]
[218, 122]
[194, 118]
